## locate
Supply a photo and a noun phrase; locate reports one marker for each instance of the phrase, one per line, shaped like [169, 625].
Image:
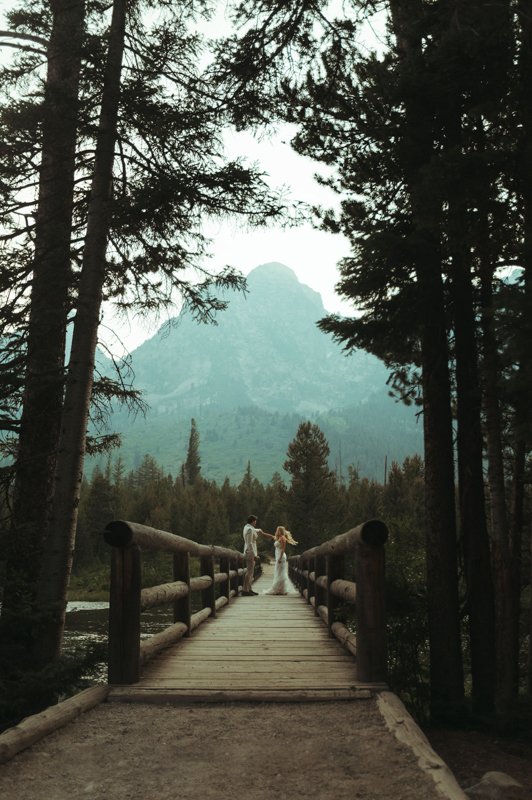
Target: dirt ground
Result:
[470, 754]
[329, 751]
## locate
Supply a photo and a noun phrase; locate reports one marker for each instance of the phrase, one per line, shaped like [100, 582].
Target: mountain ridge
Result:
[250, 380]
[265, 350]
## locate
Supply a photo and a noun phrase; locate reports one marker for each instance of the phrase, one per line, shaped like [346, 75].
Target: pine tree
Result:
[193, 461]
[313, 506]
[157, 143]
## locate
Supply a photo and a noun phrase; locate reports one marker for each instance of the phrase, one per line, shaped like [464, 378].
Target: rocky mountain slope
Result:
[265, 350]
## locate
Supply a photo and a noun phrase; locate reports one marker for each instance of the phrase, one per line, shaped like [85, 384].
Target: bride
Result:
[281, 583]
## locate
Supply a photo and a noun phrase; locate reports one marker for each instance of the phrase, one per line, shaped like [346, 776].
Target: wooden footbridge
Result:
[262, 648]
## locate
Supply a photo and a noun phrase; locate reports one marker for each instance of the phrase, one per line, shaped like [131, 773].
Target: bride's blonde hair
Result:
[282, 532]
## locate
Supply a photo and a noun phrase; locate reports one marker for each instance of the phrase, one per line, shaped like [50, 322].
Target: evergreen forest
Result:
[112, 121]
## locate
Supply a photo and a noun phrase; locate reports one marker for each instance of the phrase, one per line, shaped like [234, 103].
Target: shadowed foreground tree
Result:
[149, 167]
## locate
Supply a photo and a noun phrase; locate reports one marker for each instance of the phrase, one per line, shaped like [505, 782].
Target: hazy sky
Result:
[312, 254]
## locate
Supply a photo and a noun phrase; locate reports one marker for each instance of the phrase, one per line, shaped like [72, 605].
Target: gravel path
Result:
[329, 751]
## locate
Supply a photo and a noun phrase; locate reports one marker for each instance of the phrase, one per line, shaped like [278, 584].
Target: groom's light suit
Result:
[250, 551]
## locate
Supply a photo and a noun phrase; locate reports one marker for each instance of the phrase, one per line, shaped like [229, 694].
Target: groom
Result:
[250, 553]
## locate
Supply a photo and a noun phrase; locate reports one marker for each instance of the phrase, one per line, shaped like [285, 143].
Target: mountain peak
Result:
[274, 269]
[266, 350]
[273, 275]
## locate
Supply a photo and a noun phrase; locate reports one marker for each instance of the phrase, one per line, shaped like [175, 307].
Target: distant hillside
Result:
[364, 434]
[265, 351]
[249, 381]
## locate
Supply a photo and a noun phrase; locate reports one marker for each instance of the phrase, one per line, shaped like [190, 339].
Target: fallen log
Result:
[31, 729]
[399, 721]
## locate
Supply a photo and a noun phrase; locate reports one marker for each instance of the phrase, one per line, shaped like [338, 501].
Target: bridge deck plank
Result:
[256, 644]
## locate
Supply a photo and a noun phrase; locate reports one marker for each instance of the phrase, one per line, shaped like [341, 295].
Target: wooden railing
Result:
[127, 599]
[319, 574]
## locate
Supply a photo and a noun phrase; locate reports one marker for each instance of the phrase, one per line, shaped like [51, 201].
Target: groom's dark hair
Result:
[251, 518]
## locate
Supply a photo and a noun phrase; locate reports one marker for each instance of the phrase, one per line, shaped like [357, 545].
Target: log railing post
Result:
[208, 595]
[320, 595]
[234, 581]
[240, 577]
[311, 585]
[335, 571]
[124, 616]
[370, 611]
[307, 579]
[225, 586]
[300, 581]
[182, 606]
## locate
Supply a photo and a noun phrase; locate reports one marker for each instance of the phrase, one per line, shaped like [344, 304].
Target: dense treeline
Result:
[363, 434]
[315, 504]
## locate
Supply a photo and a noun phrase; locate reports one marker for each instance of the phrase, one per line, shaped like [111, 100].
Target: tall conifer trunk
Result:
[447, 692]
[473, 525]
[59, 545]
[505, 619]
[49, 307]
[524, 171]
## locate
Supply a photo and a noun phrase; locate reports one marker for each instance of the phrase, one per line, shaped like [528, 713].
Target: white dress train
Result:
[281, 582]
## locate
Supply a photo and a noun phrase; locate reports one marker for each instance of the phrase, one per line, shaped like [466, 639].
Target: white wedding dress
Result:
[281, 582]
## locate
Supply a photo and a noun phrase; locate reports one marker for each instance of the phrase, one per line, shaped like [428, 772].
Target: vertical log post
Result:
[306, 581]
[335, 572]
[320, 595]
[311, 584]
[208, 595]
[124, 616]
[182, 610]
[240, 577]
[234, 581]
[370, 610]
[225, 586]
[300, 576]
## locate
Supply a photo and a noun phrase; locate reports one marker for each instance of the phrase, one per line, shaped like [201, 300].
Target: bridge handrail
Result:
[319, 573]
[119, 533]
[127, 601]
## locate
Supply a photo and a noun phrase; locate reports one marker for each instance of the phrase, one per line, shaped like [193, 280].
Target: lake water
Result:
[89, 622]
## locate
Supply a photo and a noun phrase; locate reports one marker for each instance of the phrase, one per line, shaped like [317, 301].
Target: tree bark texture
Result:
[446, 673]
[505, 618]
[58, 552]
[524, 171]
[49, 306]
[473, 525]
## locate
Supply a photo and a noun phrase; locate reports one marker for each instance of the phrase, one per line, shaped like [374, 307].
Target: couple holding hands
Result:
[281, 583]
